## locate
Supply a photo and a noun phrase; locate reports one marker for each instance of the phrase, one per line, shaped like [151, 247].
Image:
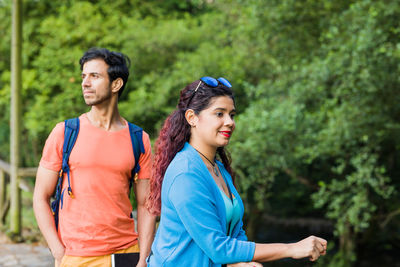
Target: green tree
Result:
[316, 84]
[329, 123]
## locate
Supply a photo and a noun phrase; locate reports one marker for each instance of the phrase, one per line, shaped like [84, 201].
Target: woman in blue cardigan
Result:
[201, 211]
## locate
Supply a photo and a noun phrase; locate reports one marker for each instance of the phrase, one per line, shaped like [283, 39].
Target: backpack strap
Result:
[71, 131]
[136, 134]
[70, 135]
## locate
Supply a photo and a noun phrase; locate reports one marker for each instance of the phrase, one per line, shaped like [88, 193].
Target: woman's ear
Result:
[191, 117]
[116, 85]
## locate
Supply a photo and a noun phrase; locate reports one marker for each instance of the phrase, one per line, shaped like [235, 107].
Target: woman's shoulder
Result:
[183, 163]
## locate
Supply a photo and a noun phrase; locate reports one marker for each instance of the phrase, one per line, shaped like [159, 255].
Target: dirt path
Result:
[23, 255]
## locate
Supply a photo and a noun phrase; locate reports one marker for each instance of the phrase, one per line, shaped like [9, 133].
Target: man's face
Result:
[96, 86]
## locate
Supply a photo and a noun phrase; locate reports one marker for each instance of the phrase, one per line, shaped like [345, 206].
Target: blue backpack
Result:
[71, 131]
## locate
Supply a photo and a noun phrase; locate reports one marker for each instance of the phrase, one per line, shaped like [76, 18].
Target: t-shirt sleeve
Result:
[52, 151]
[145, 160]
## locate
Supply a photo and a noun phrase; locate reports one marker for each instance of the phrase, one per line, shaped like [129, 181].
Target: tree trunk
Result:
[347, 245]
[16, 70]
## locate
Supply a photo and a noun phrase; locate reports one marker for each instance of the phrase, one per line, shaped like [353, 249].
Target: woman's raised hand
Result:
[311, 247]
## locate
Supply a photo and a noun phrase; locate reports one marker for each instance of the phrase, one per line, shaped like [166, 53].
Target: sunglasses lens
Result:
[210, 81]
[225, 82]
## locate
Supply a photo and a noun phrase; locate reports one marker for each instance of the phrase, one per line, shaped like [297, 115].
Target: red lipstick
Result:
[226, 133]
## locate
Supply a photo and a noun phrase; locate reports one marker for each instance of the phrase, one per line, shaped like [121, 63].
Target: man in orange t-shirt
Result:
[96, 222]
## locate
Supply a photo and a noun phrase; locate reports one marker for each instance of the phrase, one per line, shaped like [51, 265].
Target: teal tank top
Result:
[232, 211]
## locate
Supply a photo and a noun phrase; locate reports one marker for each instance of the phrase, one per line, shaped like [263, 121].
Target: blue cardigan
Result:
[192, 229]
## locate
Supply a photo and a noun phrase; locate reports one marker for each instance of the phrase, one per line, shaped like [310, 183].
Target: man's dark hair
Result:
[118, 63]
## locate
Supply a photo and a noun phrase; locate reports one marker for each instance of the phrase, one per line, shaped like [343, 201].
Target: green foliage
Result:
[349, 200]
[329, 122]
[316, 85]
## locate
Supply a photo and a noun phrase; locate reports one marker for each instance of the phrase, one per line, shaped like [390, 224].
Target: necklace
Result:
[212, 163]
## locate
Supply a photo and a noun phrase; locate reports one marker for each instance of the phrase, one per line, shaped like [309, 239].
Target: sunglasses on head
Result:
[212, 82]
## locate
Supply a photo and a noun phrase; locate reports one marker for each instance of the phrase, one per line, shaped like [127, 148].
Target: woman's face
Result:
[214, 126]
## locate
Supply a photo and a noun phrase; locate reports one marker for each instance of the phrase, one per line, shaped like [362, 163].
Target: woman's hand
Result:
[311, 247]
[245, 264]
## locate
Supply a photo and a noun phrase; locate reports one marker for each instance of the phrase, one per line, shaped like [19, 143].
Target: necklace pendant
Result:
[216, 170]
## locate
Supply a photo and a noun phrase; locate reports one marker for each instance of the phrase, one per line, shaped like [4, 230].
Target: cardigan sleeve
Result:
[242, 233]
[197, 210]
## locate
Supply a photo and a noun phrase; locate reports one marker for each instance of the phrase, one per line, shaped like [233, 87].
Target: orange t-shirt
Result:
[97, 220]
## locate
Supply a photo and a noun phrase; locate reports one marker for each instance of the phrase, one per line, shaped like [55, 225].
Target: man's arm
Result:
[145, 220]
[46, 181]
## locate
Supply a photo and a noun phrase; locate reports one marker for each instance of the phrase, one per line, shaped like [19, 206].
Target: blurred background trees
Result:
[316, 148]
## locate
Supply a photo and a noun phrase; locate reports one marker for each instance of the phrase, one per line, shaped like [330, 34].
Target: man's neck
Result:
[107, 118]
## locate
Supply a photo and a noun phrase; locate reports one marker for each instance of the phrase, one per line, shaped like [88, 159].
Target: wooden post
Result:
[2, 195]
[16, 62]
